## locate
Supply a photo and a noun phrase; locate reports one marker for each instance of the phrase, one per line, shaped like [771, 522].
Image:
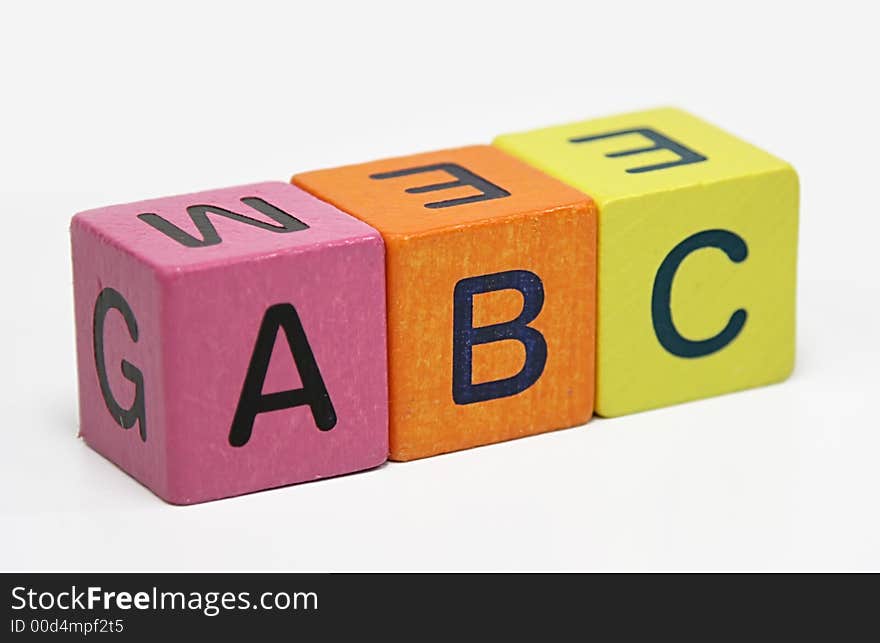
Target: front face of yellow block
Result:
[697, 254]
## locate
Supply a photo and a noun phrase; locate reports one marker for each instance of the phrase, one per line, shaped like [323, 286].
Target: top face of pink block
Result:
[217, 226]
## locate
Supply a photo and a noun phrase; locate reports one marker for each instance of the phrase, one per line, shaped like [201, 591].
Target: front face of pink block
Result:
[207, 388]
[227, 326]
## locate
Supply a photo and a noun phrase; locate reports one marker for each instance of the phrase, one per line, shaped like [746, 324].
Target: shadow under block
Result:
[697, 254]
[230, 341]
[491, 294]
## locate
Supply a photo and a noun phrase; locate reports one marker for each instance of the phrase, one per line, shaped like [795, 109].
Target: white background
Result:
[115, 102]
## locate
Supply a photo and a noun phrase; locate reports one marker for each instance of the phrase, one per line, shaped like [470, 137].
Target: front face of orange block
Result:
[491, 269]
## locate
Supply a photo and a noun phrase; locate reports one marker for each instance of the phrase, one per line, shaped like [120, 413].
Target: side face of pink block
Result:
[220, 355]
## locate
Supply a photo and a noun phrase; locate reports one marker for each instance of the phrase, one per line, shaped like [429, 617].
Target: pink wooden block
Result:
[174, 296]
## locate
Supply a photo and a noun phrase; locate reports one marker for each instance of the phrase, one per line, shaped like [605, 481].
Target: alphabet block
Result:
[697, 254]
[491, 294]
[230, 341]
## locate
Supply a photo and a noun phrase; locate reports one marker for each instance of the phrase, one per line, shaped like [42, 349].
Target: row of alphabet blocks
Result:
[257, 336]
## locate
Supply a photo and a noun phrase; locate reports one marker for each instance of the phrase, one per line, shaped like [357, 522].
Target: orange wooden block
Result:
[491, 269]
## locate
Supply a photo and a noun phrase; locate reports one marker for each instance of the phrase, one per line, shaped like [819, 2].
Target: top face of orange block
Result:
[435, 191]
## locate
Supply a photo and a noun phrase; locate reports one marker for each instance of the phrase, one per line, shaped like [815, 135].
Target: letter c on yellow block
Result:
[661, 314]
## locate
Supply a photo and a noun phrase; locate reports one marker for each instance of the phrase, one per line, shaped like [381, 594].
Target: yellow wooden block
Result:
[697, 254]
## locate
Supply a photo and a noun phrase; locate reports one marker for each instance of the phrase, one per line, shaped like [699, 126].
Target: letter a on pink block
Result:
[231, 340]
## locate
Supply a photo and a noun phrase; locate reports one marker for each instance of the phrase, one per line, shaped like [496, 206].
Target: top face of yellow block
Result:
[638, 153]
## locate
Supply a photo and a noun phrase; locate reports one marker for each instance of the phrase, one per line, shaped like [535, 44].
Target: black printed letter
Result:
[465, 336]
[463, 177]
[107, 299]
[313, 393]
[736, 250]
[199, 216]
[660, 142]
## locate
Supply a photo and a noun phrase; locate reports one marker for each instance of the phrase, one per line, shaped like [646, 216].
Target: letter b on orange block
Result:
[465, 336]
[491, 269]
